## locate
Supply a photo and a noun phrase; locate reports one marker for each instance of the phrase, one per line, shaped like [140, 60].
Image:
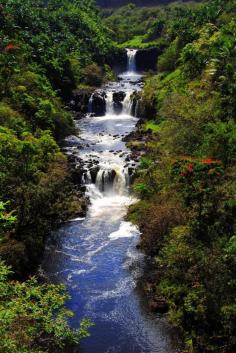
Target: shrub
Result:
[33, 317]
[93, 75]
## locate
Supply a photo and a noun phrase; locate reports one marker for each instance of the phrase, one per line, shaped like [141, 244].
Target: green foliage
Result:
[33, 317]
[142, 189]
[152, 125]
[168, 60]
[45, 53]
[93, 75]
[47, 50]
[7, 220]
[188, 217]
[118, 21]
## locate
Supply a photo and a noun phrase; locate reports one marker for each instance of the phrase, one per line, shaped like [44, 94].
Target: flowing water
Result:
[96, 257]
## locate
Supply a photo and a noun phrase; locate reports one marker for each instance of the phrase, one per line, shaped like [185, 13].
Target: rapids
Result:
[96, 256]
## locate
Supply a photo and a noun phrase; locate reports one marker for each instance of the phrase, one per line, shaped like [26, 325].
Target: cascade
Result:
[96, 256]
[90, 104]
[105, 179]
[86, 178]
[109, 103]
[112, 180]
[131, 54]
[128, 102]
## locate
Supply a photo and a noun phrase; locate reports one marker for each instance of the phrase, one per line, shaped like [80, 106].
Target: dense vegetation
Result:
[147, 23]
[186, 181]
[45, 53]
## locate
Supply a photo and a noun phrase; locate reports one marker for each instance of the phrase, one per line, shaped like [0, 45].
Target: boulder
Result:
[80, 100]
[118, 96]
[94, 171]
[99, 103]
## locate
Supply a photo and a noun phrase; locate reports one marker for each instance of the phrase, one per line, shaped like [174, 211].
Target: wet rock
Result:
[76, 174]
[71, 141]
[99, 104]
[79, 101]
[158, 305]
[118, 96]
[130, 171]
[112, 176]
[93, 172]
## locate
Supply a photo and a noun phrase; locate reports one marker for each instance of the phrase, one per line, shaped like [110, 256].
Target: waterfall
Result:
[120, 182]
[90, 104]
[105, 179]
[127, 104]
[86, 178]
[131, 54]
[112, 180]
[109, 103]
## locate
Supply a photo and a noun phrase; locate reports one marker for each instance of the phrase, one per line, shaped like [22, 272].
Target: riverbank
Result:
[185, 184]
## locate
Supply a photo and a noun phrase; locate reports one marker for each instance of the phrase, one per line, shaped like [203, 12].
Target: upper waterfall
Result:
[131, 65]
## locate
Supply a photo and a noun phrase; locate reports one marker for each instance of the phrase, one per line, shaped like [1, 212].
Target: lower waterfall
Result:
[96, 257]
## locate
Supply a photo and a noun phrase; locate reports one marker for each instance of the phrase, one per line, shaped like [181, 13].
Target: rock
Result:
[94, 171]
[79, 101]
[130, 171]
[146, 59]
[118, 96]
[76, 175]
[99, 104]
[158, 305]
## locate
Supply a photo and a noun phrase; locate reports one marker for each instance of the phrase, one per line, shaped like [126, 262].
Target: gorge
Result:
[96, 256]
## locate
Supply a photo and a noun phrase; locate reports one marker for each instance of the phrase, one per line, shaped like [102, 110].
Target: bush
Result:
[168, 60]
[33, 317]
[93, 75]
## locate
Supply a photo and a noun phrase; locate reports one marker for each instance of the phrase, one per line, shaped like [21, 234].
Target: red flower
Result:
[11, 46]
[210, 161]
[190, 167]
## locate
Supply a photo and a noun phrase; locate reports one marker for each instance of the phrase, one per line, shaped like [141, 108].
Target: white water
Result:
[131, 53]
[126, 230]
[90, 104]
[109, 103]
[96, 257]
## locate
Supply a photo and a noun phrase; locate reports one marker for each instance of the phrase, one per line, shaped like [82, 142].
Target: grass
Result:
[139, 43]
[152, 125]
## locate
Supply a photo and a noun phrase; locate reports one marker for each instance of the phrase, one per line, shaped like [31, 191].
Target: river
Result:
[96, 257]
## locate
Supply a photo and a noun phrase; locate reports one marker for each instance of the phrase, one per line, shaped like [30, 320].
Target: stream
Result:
[96, 256]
